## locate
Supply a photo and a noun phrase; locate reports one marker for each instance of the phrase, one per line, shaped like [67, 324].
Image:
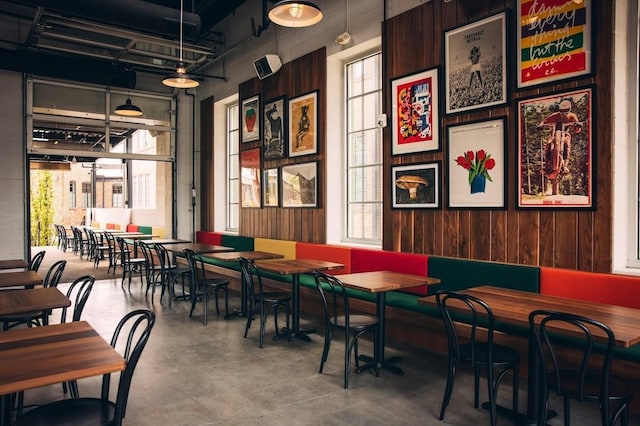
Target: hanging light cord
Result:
[181, 12]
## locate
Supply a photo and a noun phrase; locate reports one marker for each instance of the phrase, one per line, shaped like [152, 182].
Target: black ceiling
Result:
[108, 41]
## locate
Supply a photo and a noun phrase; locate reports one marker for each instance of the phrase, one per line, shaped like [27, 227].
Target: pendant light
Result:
[180, 79]
[295, 13]
[128, 109]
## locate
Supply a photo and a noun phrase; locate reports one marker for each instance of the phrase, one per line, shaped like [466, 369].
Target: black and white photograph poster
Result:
[274, 127]
[476, 65]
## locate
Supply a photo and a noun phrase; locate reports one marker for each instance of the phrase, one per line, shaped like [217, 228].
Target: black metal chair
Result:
[480, 351]
[155, 272]
[113, 252]
[584, 374]
[171, 272]
[262, 302]
[97, 248]
[338, 316]
[42, 317]
[130, 337]
[36, 260]
[203, 283]
[130, 265]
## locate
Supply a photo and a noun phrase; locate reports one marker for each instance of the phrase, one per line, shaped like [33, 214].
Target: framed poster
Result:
[300, 185]
[475, 60]
[303, 124]
[554, 40]
[270, 188]
[555, 150]
[416, 186]
[415, 121]
[250, 178]
[274, 146]
[477, 164]
[251, 119]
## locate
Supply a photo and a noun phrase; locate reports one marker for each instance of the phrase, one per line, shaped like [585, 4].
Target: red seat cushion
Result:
[366, 260]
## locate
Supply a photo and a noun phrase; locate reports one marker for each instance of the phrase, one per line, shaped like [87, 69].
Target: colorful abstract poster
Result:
[415, 113]
[554, 40]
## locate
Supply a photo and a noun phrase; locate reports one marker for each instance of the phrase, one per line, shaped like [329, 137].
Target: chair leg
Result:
[493, 390]
[567, 411]
[325, 350]
[451, 377]
[476, 386]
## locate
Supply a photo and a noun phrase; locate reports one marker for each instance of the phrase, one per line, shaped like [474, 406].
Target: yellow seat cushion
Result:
[283, 247]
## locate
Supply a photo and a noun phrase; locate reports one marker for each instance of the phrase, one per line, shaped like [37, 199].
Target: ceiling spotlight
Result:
[295, 13]
[180, 79]
[128, 109]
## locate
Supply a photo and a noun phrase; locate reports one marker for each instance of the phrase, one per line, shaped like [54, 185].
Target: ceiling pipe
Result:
[257, 30]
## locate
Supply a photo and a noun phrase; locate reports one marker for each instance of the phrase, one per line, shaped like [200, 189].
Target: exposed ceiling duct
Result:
[133, 14]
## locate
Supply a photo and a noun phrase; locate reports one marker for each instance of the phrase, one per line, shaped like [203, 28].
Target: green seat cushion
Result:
[238, 242]
[458, 274]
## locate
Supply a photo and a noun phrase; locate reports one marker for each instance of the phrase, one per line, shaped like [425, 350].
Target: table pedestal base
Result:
[301, 334]
[387, 364]
[517, 418]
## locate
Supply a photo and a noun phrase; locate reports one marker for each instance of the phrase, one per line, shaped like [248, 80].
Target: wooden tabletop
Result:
[253, 255]
[20, 279]
[40, 356]
[13, 264]
[167, 241]
[379, 281]
[514, 306]
[296, 266]
[38, 299]
[198, 248]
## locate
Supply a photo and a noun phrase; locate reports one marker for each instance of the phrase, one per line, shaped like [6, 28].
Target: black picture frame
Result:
[550, 177]
[475, 65]
[417, 186]
[274, 129]
[250, 119]
[299, 185]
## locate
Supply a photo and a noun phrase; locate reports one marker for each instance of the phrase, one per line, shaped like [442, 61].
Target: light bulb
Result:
[296, 10]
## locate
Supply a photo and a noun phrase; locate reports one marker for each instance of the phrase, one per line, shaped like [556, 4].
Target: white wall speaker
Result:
[267, 65]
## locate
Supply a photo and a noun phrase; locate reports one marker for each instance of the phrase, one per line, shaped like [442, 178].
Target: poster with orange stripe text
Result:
[554, 40]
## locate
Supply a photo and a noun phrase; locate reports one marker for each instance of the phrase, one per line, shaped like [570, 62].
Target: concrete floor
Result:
[191, 374]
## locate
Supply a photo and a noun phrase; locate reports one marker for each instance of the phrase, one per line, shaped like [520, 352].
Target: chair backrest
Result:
[124, 250]
[54, 274]
[457, 307]
[78, 293]
[36, 260]
[196, 266]
[583, 333]
[148, 249]
[129, 338]
[251, 279]
[335, 299]
[164, 259]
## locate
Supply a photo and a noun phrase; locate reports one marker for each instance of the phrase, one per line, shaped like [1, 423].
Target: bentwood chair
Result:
[36, 260]
[130, 265]
[261, 302]
[98, 249]
[171, 272]
[42, 317]
[203, 283]
[130, 338]
[338, 316]
[78, 293]
[479, 351]
[113, 252]
[155, 273]
[585, 374]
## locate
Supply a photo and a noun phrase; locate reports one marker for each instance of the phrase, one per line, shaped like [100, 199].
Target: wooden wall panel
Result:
[412, 41]
[295, 78]
[207, 188]
[562, 238]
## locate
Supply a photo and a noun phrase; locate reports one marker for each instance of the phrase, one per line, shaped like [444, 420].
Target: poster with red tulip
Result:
[477, 165]
[251, 119]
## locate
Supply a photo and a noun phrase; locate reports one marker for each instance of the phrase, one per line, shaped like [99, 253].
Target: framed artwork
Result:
[250, 178]
[415, 119]
[557, 46]
[300, 185]
[270, 188]
[477, 164]
[475, 60]
[303, 124]
[555, 150]
[251, 119]
[416, 186]
[274, 142]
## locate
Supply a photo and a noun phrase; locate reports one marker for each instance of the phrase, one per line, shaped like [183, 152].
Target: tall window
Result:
[364, 150]
[86, 194]
[72, 194]
[117, 199]
[233, 160]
